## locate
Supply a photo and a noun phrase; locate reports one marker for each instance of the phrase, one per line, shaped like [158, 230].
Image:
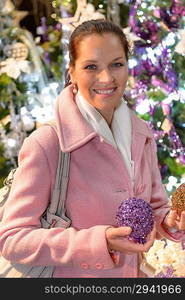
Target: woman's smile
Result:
[105, 92]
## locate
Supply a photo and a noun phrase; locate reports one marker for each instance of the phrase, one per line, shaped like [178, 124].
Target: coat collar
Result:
[74, 129]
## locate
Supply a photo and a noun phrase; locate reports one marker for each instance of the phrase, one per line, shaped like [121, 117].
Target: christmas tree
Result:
[26, 96]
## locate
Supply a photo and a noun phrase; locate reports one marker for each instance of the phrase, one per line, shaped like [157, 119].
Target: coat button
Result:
[121, 191]
[98, 266]
[84, 266]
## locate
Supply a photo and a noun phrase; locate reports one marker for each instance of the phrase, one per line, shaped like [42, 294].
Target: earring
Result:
[75, 91]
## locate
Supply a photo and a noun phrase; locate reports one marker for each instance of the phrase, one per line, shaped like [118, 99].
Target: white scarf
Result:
[119, 136]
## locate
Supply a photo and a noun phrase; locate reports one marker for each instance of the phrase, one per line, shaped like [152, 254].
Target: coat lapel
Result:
[140, 136]
[73, 128]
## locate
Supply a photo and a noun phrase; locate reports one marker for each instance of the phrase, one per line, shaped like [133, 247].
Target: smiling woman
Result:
[101, 79]
[113, 158]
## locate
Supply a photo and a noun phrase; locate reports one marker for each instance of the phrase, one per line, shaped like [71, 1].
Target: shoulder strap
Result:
[57, 203]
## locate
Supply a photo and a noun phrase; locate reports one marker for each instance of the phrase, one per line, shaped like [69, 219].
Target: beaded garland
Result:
[137, 214]
[178, 199]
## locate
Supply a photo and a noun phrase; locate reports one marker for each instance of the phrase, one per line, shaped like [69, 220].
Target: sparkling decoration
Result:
[137, 214]
[178, 199]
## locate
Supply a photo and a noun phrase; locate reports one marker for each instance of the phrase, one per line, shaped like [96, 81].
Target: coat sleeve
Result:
[159, 200]
[22, 239]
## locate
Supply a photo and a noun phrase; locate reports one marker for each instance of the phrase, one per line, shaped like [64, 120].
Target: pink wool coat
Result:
[98, 182]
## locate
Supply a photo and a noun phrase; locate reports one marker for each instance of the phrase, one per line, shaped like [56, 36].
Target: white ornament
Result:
[28, 123]
[13, 67]
[84, 12]
[19, 51]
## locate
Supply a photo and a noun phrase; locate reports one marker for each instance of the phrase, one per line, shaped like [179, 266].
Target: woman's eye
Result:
[118, 64]
[90, 67]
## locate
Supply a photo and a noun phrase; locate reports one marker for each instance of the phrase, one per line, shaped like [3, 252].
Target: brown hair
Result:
[100, 26]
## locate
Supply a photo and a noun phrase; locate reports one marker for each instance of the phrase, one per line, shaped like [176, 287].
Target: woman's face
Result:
[100, 71]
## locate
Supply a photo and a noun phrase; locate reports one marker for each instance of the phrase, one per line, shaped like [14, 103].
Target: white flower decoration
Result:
[13, 67]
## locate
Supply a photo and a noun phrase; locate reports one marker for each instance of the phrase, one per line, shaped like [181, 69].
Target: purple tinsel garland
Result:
[137, 214]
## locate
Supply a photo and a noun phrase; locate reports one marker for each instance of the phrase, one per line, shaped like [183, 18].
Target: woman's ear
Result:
[71, 73]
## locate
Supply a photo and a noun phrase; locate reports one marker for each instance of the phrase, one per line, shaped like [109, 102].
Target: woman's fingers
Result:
[171, 218]
[181, 223]
[117, 239]
[117, 232]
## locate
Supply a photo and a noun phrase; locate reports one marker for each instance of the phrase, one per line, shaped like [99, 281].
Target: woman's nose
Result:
[105, 76]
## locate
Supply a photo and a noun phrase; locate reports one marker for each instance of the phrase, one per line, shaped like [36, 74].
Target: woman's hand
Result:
[172, 220]
[117, 240]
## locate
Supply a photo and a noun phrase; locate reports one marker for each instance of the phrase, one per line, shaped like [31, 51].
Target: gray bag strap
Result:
[57, 203]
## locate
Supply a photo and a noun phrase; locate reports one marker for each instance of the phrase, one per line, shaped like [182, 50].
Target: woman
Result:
[113, 157]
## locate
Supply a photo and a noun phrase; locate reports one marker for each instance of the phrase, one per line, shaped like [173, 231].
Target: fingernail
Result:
[128, 229]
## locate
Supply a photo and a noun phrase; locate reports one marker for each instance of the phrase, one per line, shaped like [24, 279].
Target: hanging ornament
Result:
[18, 51]
[166, 125]
[84, 12]
[180, 47]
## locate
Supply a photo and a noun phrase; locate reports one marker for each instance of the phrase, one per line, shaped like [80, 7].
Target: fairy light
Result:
[143, 5]
[53, 16]
[11, 143]
[132, 63]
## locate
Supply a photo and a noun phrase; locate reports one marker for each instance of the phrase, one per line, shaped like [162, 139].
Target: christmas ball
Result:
[137, 214]
[178, 199]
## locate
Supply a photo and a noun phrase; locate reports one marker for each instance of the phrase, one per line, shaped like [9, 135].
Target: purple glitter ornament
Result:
[137, 214]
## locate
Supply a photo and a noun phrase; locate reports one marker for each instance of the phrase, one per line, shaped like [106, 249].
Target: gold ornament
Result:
[84, 12]
[19, 51]
[166, 125]
[178, 199]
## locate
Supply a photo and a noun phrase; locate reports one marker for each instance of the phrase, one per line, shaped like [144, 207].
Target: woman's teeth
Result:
[105, 92]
